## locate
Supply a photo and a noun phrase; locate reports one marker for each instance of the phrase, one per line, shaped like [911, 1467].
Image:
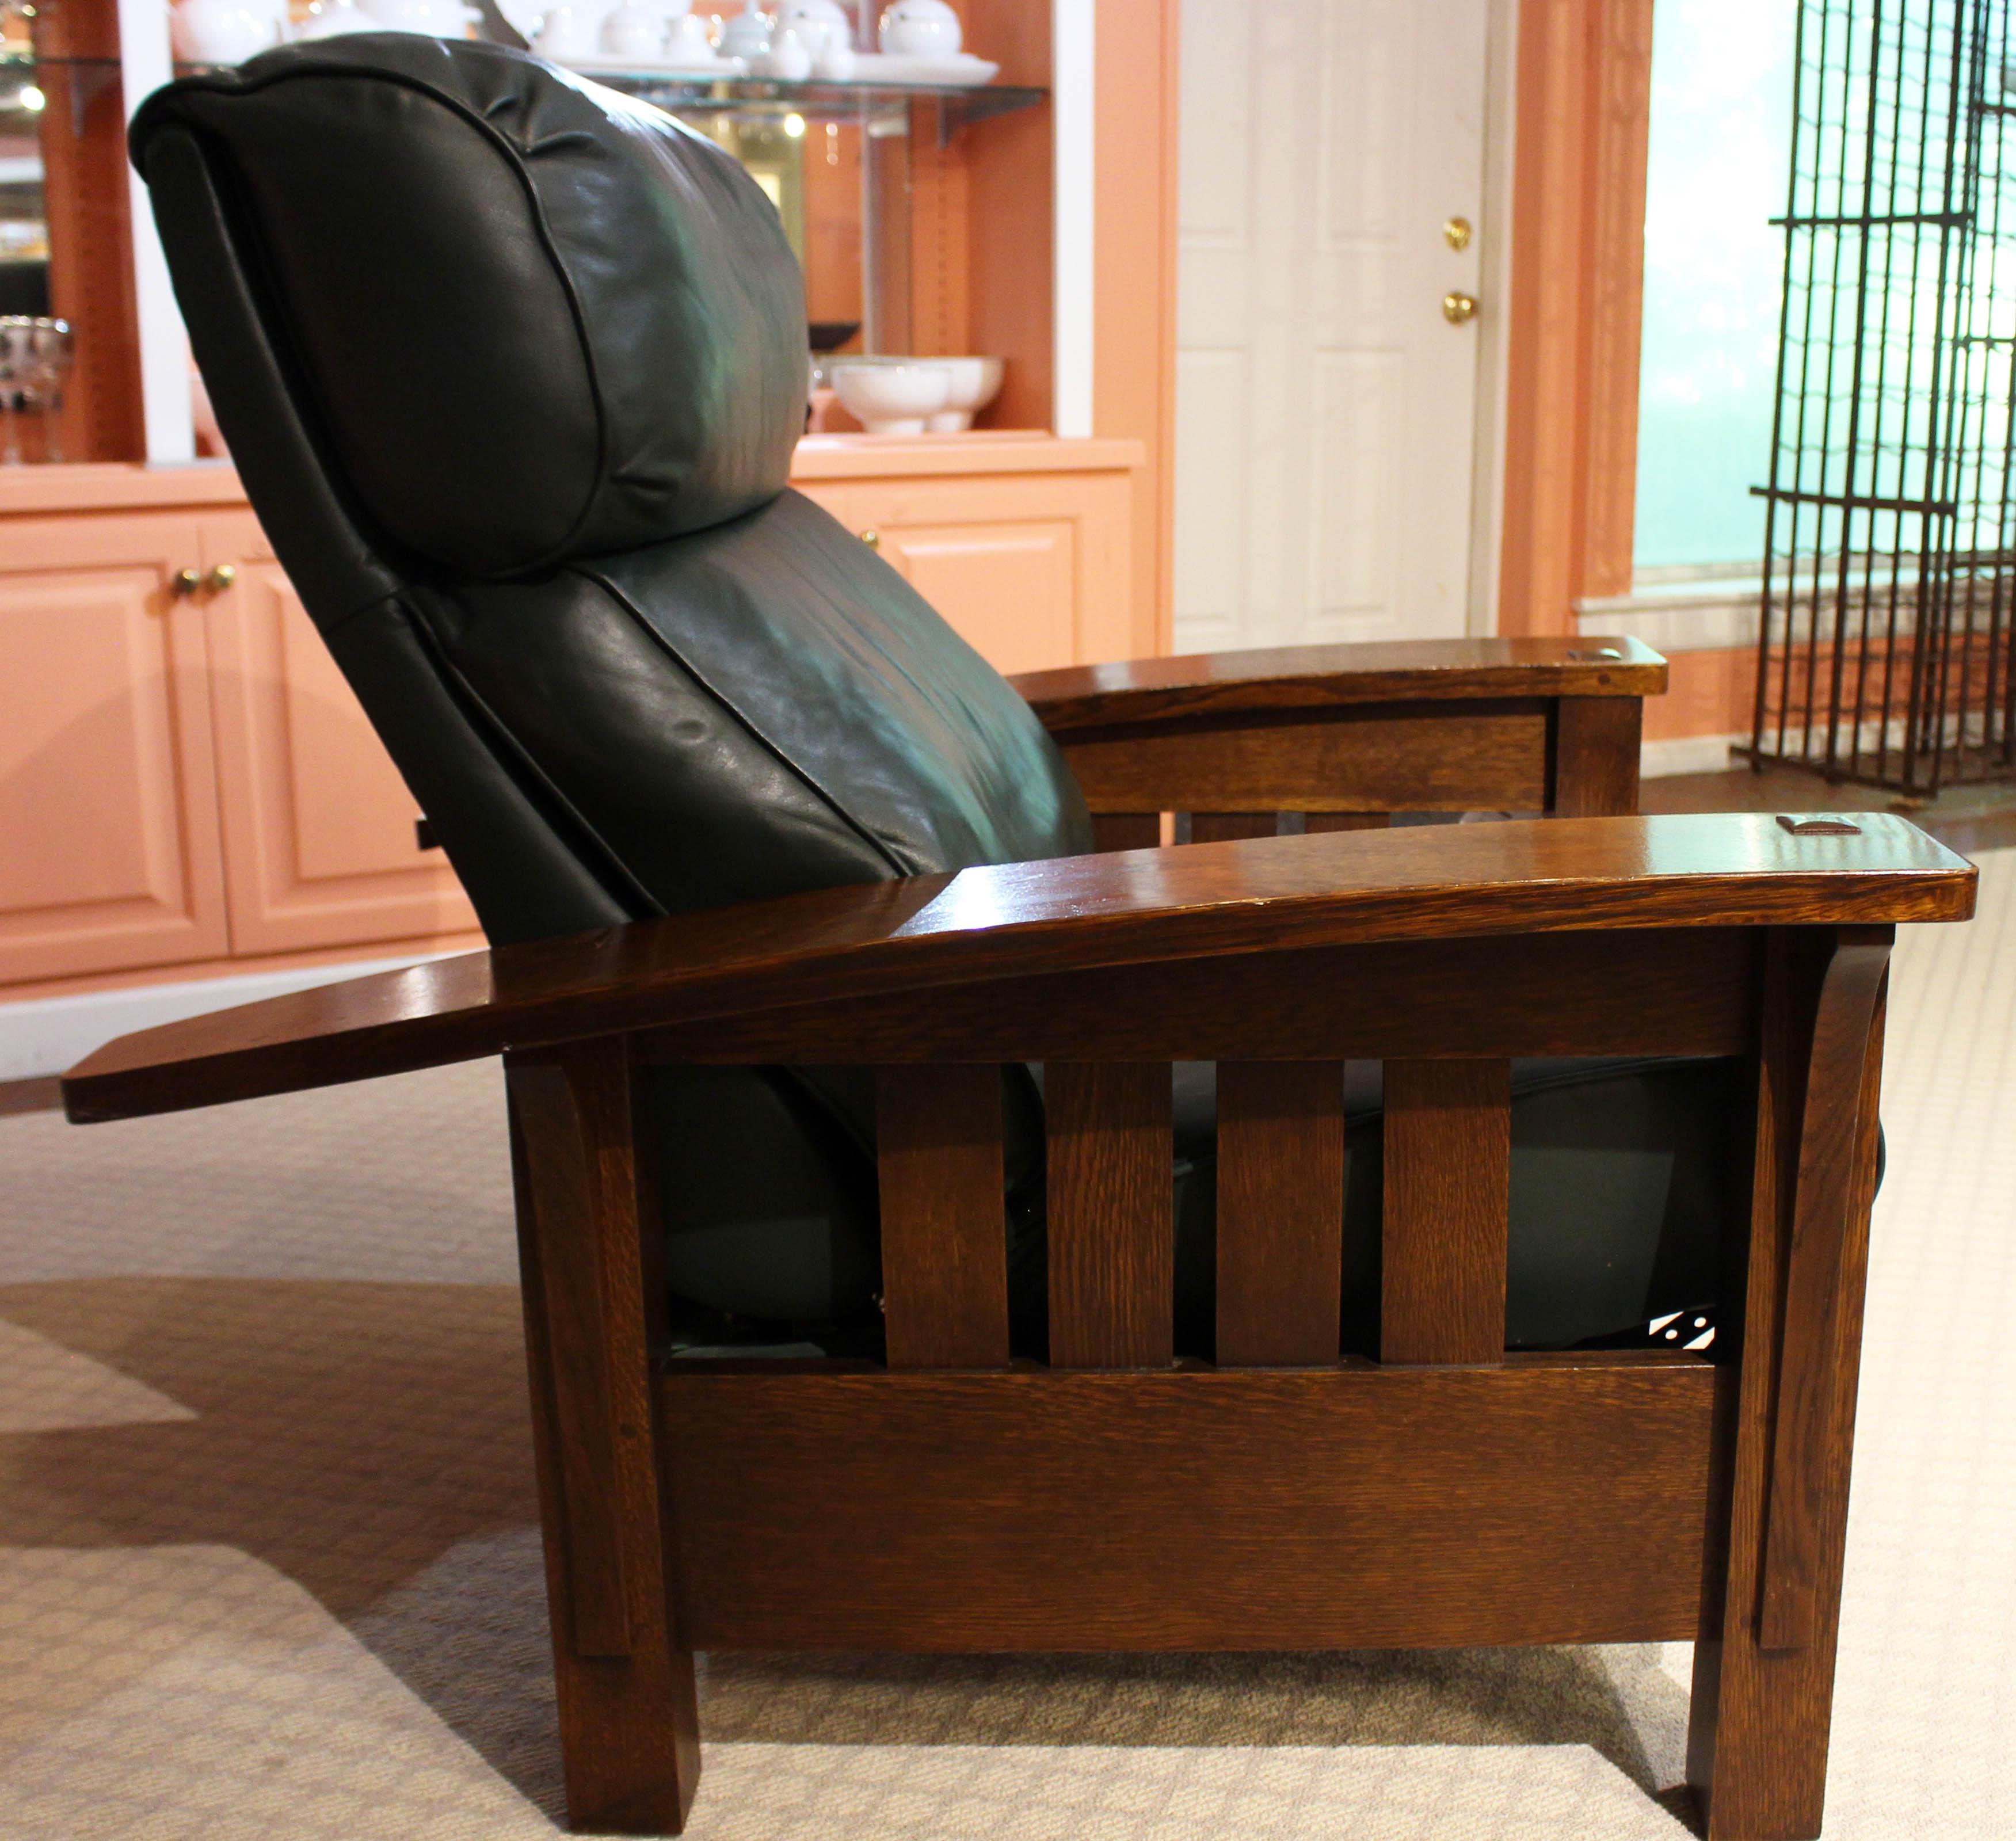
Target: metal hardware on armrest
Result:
[1819, 828]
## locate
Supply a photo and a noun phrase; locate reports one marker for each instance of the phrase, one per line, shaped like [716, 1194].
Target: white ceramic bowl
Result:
[892, 398]
[975, 381]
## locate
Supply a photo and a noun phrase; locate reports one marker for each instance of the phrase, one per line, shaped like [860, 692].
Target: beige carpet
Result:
[268, 1566]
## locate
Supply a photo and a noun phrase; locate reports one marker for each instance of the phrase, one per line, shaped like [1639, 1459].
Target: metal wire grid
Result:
[1884, 648]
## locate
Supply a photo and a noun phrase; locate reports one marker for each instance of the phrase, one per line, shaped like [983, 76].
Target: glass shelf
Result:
[755, 98]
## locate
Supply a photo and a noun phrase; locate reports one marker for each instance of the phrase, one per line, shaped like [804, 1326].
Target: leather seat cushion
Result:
[758, 708]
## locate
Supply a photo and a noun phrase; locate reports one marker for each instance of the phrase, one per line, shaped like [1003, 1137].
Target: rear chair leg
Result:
[594, 1308]
[1764, 1665]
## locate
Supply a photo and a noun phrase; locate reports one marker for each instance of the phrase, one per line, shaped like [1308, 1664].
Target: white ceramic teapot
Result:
[331, 19]
[746, 33]
[436, 19]
[569, 32]
[225, 31]
[633, 31]
[689, 44]
[786, 58]
[820, 25]
[921, 28]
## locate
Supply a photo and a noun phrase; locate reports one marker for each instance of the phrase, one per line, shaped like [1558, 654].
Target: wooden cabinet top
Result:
[31, 490]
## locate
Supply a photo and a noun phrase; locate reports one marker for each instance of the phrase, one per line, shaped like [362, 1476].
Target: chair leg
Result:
[1764, 1664]
[594, 1305]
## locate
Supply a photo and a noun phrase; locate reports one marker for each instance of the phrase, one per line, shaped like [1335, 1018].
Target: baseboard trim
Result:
[40, 1036]
[1687, 754]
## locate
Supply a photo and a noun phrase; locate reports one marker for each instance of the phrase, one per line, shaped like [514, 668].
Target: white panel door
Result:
[1325, 407]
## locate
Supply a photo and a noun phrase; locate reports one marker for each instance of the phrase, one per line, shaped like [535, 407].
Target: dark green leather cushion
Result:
[537, 318]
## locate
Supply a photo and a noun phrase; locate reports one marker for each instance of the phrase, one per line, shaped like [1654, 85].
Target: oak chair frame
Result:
[1284, 1496]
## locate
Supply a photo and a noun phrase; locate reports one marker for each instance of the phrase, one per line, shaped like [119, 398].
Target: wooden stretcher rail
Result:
[1020, 920]
[1555, 1500]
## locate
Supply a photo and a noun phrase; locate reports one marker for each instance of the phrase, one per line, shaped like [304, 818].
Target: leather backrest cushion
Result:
[539, 319]
[763, 707]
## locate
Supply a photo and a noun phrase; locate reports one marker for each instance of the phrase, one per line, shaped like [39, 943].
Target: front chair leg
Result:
[594, 1306]
[1764, 1666]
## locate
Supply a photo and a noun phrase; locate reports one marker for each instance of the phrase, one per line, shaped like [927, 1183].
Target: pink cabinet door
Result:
[1031, 569]
[319, 827]
[109, 853]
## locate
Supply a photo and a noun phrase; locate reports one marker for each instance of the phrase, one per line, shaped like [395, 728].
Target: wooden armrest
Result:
[1129, 908]
[1318, 677]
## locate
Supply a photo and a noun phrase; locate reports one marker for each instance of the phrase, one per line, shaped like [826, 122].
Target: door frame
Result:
[1574, 286]
[1555, 480]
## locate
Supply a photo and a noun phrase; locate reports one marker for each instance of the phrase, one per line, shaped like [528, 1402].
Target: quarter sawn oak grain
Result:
[1326, 677]
[1132, 907]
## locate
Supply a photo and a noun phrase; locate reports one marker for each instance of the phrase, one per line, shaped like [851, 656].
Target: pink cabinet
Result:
[1033, 568]
[186, 782]
[319, 827]
[187, 786]
[110, 855]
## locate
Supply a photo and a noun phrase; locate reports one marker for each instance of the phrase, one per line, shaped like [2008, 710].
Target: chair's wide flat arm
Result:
[1129, 908]
[1318, 677]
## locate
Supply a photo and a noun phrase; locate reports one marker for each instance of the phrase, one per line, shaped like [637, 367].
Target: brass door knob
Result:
[872, 538]
[221, 577]
[184, 583]
[1457, 308]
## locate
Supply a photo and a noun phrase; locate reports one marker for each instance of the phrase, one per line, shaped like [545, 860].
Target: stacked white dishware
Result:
[890, 395]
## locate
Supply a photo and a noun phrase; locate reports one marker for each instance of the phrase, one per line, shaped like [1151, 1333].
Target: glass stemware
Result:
[35, 358]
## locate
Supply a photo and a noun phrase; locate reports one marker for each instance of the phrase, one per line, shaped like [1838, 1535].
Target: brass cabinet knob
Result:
[1456, 233]
[184, 583]
[1457, 308]
[221, 577]
[872, 538]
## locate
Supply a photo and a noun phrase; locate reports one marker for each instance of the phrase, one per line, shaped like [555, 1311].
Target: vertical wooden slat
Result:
[1219, 827]
[595, 1309]
[1596, 756]
[1347, 821]
[1112, 1230]
[1759, 1716]
[1280, 1212]
[944, 1258]
[1448, 1186]
[1127, 830]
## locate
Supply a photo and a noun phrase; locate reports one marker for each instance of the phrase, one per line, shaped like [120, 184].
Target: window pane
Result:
[1722, 98]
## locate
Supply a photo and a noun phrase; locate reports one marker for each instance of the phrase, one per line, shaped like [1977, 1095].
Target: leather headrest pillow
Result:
[538, 320]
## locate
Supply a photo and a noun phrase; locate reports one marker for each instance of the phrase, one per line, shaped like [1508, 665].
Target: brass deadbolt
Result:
[221, 577]
[184, 583]
[1457, 308]
[1457, 233]
[872, 538]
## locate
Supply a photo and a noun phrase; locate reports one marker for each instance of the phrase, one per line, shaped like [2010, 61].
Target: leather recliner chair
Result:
[513, 370]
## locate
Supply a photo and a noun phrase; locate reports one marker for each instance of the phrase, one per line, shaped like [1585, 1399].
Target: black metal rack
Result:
[1884, 648]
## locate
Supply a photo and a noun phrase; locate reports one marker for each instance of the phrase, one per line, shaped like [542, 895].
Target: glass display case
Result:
[919, 210]
[843, 162]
